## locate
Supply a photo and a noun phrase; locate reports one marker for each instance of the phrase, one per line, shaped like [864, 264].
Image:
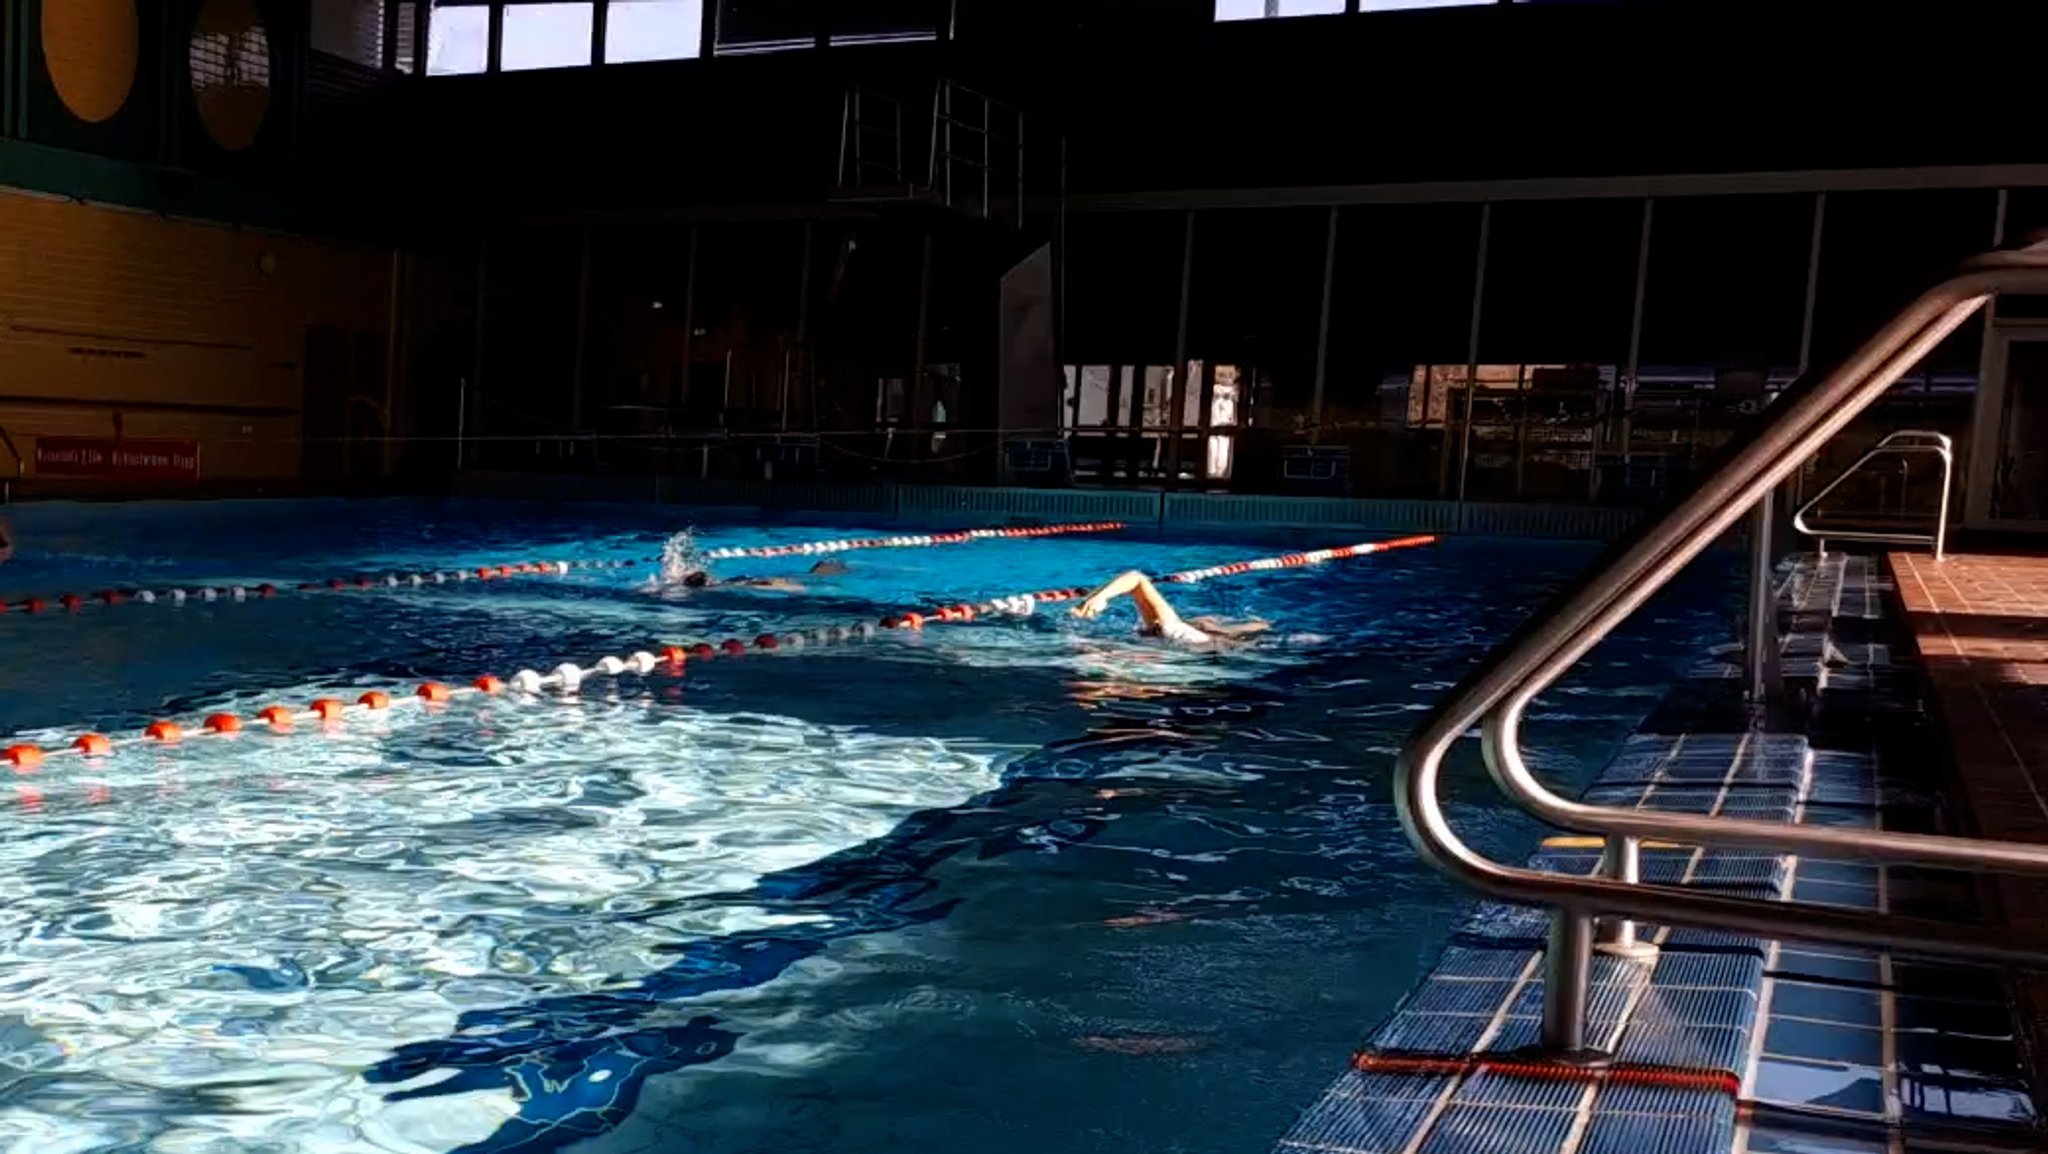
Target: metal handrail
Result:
[1495, 695]
[1903, 441]
[20, 467]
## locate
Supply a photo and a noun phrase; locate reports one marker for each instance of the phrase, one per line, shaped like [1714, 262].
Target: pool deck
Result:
[1980, 625]
[1749, 1046]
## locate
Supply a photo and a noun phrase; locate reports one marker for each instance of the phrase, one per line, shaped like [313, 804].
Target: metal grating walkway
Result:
[1735, 1043]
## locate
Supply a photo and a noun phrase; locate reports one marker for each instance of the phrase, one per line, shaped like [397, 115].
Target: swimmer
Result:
[682, 564]
[1158, 618]
[699, 579]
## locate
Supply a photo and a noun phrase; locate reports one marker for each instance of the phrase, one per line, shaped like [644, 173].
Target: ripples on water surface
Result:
[1000, 887]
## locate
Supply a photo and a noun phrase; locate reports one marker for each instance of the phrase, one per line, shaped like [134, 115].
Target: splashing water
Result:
[680, 557]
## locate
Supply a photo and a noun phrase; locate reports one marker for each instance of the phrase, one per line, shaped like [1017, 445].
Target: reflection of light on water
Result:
[224, 956]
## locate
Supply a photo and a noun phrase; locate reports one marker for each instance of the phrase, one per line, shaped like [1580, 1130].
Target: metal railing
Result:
[973, 161]
[1902, 443]
[1495, 696]
[20, 468]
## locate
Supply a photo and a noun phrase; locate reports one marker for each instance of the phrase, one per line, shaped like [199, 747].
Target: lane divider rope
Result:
[75, 602]
[1023, 604]
[569, 677]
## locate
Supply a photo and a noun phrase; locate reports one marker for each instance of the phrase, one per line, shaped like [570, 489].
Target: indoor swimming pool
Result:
[1020, 884]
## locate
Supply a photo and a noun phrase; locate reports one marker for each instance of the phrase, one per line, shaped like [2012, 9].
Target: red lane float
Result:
[674, 658]
[1022, 604]
[266, 590]
[914, 540]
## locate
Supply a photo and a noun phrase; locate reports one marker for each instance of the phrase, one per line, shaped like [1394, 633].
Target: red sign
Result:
[122, 460]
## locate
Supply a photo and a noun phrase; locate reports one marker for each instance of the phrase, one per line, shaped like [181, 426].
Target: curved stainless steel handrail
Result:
[1498, 692]
[1903, 441]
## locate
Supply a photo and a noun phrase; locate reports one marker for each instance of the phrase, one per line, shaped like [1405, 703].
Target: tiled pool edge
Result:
[1706, 1002]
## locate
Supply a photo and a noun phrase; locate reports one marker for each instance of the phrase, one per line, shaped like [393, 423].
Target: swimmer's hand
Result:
[1092, 608]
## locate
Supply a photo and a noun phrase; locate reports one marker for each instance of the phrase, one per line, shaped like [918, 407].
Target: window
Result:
[1266, 9]
[350, 29]
[884, 21]
[404, 56]
[547, 36]
[229, 63]
[766, 25]
[653, 30]
[459, 40]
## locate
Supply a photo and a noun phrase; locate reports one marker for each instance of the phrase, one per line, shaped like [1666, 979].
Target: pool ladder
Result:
[1903, 444]
[1597, 911]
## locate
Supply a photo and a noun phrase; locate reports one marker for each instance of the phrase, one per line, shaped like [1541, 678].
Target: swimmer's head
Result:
[696, 579]
[680, 558]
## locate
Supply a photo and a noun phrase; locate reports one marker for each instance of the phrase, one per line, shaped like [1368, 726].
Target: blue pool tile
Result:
[1500, 922]
[1957, 1055]
[1718, 941]
[1619, 1133]
[1835, 967]
[1432, 1033]
[1835, 894]
[1498, 1130]
[1459, 996]
[1834, 815]
[1566, 861]
[1941, 1016]
[1365, 1112]
[1472, 962]
[1515, 1034]
[1709, 971]
[1971, 1100]
[1856, 1089]
[1486, 1089]
[1697, 1047]
[1956, 982]
[1826, 1004]
[1765, 1139]
[1761, 804]
[1825, 1042]
[1695, 1007]
[1839, 872]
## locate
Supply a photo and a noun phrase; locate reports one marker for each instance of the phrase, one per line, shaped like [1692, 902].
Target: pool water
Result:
[1009, 886]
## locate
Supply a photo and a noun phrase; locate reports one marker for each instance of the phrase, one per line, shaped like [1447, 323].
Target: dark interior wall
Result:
[1156, 97]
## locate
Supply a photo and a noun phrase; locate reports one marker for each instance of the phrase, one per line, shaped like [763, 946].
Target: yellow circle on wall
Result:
[229, 62]
[91, 48]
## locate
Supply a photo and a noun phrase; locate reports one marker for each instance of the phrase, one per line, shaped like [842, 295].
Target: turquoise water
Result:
[1008, 886]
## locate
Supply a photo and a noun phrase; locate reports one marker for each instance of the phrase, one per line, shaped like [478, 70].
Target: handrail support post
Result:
[1567, 983]
[1621, 859]
[1760, 655]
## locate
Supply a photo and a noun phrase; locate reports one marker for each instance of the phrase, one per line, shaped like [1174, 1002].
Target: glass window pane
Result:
[459, 41]
[766, 25]
[653, 30]
[408, 23]
[884, 21]
[1261, 9]
[547, 36]
[350, 29]
[1392, 5]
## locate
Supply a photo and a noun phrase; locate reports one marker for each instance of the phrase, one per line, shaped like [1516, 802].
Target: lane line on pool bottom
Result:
[568, 677]
[75, 602]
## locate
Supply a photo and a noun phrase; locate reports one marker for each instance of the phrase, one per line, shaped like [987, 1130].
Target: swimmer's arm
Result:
[1153, 608]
